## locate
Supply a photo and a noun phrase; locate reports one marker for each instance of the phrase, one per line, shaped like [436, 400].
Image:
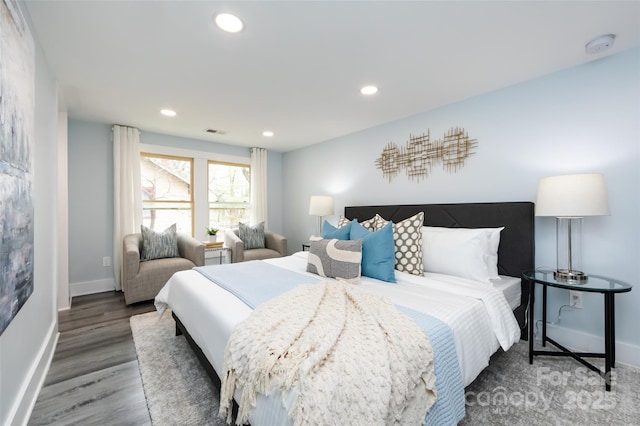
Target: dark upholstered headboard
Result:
[517, 244]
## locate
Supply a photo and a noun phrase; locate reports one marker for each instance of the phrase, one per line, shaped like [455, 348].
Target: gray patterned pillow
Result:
[158, 245]
[369, 224]
[336, 259]
[407, 236]
[378, 222]
[252, 236]
[342, 221]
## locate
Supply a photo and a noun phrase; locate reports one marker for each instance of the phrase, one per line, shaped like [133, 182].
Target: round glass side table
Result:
[608, 286]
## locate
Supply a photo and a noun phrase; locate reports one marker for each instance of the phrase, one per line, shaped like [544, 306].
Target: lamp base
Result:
[570, 276]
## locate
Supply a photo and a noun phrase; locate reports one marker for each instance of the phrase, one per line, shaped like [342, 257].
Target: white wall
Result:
[28, 342]
[583, 119]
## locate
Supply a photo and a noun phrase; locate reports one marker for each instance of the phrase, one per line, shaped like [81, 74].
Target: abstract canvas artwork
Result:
[17, 104]
[421, 154]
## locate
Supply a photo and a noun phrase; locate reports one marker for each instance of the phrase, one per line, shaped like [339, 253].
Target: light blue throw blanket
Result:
[240, 280]
[449, 406]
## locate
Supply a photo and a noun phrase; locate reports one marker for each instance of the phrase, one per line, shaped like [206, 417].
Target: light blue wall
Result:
[91, 192]
[90, 174]
[274, 167]
[584, 119]
[26, 342]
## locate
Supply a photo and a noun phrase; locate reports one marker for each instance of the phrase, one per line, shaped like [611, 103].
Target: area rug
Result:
[177, 388]
[552, 391]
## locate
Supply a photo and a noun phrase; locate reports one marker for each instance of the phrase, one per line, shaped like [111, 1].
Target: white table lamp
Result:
[569, 198]
[320, 205]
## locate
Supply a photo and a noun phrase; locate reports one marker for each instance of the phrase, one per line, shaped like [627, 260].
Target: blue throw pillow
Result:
[330, 232]
[378, 251]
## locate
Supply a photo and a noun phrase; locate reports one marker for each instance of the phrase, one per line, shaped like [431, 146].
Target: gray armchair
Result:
[143, 280]
[275, 246]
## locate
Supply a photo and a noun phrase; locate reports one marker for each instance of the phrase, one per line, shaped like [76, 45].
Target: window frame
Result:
[227, 163]
[191, 183]
[199, 194]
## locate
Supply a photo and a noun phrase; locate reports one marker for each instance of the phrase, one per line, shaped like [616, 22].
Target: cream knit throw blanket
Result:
[354, 358]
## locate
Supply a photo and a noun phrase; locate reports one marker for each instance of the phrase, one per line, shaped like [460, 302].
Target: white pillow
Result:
[492, 256]
[463, 252]
[493, 242]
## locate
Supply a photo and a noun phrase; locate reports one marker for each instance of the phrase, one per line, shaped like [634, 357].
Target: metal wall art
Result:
[421, 154]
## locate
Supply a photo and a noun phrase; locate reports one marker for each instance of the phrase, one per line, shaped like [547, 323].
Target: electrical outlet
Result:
[106, 261]
[575, 299]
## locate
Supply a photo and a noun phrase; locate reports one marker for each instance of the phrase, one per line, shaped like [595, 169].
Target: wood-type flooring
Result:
[94, 377]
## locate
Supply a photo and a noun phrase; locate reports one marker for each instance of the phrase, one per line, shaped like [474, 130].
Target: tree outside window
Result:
[228, 191]
[167, 192]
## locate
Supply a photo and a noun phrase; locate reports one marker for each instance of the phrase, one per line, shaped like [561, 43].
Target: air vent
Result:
[214, 131]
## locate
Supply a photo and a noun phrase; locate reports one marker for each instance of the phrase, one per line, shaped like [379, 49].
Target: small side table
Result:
[217, 255]
[306, 246]
[594, 284]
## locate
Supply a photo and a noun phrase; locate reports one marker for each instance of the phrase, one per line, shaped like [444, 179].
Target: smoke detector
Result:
[600, 44]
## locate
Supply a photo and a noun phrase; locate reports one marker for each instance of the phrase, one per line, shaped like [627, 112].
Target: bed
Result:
[206, 314]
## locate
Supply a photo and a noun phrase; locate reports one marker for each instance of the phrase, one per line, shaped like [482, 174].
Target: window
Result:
[167, 195]
[228, 193]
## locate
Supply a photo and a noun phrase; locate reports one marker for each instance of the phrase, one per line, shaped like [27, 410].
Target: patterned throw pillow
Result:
[336, 259]
[369, 224]
[252, 236]
[342, 221]
[158, 245]
[378, 222]
[407, 235]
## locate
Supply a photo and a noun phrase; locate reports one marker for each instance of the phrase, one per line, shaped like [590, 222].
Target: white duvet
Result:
[478, 315]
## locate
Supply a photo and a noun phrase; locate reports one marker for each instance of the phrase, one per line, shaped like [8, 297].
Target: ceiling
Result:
[297, 67]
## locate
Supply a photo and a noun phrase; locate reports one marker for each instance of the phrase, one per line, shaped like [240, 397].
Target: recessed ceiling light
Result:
[168, 112]
[229, 23]
[369, 90]
[267, 133]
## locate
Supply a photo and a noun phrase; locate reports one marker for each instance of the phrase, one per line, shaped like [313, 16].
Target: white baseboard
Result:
[21, 411]
[626, 353]
[90, 287]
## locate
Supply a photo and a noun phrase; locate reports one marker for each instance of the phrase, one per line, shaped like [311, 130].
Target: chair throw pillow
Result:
[252, 236]
[158, 245]
[336, 259]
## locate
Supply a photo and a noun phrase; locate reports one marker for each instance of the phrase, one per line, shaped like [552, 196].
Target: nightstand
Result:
[594, 284]
[217, 255]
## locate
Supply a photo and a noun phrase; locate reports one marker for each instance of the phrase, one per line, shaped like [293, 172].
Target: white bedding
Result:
[478, 314]
[511, 287]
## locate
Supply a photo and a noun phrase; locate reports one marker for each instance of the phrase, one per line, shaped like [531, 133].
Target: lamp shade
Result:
[572, 196]
[321, 205]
